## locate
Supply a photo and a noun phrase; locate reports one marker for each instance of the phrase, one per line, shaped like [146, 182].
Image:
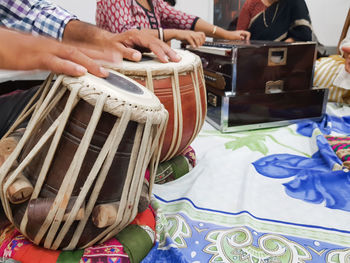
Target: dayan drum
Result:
[85, 151]
[181, 88]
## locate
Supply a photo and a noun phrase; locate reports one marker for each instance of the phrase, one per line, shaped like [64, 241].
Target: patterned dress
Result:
[121, 15]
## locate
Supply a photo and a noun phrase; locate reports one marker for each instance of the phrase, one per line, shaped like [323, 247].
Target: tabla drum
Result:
[181, 88]
[85, 151]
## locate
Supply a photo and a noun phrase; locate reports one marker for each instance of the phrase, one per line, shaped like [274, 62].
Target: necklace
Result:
[273, 18]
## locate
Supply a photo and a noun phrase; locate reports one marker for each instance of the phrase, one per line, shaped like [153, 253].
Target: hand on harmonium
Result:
[237, 35]
[346, 51]
[21, 51]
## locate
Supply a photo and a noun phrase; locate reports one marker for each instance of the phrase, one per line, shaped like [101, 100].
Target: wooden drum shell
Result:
[69, 142]
[181, 89]
[101, 141]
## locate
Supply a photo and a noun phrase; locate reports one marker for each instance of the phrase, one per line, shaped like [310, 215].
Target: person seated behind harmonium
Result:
[345, 49]
[333, 72]
[276, 20]
[122, 15]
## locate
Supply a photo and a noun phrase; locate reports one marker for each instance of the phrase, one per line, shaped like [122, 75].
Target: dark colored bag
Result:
[11, 105]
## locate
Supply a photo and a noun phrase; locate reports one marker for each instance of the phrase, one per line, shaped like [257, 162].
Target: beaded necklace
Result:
[273, 18]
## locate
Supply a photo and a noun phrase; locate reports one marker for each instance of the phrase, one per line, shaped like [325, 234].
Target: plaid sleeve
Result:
[35, 16]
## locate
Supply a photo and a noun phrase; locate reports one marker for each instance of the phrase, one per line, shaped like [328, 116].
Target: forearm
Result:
[152, 32]
[210, 30]
[78, 31]
[168, 34]
[45, 53]
[122, 43]
[171, 34]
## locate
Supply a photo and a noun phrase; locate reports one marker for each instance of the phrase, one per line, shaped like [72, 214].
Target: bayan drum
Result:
[181, 88]
[85, 152]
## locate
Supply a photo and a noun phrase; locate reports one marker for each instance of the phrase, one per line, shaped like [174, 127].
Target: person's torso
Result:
[146, 18]
[121, 15]
[272, 22]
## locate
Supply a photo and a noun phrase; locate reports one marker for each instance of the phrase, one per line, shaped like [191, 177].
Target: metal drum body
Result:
[88, 143]
[181, 88]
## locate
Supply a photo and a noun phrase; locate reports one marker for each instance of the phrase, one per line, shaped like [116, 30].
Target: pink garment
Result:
[110, 251]
[249, 10]
[121, 15]
[14, 245]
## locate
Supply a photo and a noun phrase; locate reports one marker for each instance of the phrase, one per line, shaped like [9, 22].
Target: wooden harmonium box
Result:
[260, 84]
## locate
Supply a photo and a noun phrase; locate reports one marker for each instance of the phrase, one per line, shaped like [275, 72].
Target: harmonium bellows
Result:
[260, 84]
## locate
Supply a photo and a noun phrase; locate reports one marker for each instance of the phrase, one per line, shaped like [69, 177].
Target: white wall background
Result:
[327, 15]
[84, 9]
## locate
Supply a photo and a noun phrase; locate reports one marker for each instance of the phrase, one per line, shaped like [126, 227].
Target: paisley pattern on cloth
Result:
[268, 195]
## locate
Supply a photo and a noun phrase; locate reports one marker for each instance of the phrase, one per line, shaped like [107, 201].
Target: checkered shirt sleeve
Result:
[39, 17]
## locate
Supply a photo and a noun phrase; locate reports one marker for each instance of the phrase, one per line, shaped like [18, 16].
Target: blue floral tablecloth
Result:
[271, 195]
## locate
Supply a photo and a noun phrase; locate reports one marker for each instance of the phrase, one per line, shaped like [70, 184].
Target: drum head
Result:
[151, 63]
[117, 86]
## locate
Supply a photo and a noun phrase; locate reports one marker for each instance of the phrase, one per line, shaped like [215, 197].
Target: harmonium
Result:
[260, 84]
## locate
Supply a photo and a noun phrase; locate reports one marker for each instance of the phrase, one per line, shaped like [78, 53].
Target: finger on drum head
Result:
[131, 54]
[102, 55]
[166, 53]
[75, 55]
[67, 67]
[159, 52]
